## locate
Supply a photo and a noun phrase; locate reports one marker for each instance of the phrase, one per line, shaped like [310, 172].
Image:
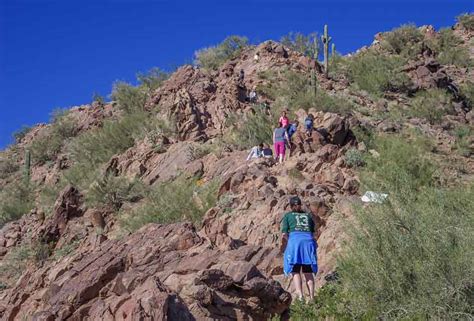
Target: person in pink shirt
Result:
[284, 121]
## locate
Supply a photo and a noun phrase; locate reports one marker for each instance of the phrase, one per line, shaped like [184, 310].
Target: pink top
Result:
[284, 121]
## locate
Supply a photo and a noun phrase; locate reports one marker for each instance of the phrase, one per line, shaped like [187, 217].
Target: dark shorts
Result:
[305, 268]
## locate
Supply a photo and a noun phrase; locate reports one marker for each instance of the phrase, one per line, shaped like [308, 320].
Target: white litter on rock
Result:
[373, 197]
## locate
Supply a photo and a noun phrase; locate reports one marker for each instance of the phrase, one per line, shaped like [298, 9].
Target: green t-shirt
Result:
[297, 222]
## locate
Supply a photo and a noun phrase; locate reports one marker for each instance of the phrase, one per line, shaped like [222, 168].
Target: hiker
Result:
[280, 136]
[253, 95]
[284, 121]
[299, 247]
[241, 76]
[293, 128]
[267, 151]
[256, 58]
[308, 123]
[255, 152]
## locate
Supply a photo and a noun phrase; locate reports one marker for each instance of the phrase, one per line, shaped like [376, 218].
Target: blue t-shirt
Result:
[280, 134]
[292, 130]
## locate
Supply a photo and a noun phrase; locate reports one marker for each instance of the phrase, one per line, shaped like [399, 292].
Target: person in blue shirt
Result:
[299, 247]
[309, 123]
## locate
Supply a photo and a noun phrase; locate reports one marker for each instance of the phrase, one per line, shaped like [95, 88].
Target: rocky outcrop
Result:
[161, 272]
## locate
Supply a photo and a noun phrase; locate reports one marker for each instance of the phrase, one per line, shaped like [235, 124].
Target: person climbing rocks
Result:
[280, 136]
[283, 121]
[267, 151]
[293, 127]
[241, 77]
[299, 247]
[309, 123]
[253, 95]
[256, 58]
[255, 152]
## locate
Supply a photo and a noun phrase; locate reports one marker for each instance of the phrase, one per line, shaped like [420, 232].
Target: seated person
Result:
[255, 152]
[267, 151]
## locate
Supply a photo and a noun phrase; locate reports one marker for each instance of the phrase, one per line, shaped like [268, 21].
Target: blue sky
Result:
[58, 53]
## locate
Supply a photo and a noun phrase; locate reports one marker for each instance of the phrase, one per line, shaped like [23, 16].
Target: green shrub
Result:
[21, 133]
[95, 147]
[50, 141]
[411, 257]
[16, 261]
[376, 73]
[467, 92]
[404, 41]
[152, 79]
[308, 45]
[464, 135]
[466, 20]
[212, 58]
[403, 164]
[130, 99]
[295, 175]
[8, 166]
[294, 91]
[252, 129]
[449, 49]
[16, 199]
[432, 105]
[330, 303]
[99, 99]
[113, 191]
[354, 158]
[175, 201]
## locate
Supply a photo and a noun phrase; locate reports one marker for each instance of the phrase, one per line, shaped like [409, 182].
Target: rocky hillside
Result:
[145, 208]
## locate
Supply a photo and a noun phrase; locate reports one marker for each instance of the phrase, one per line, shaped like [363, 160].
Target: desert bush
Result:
[8, 166]
[113, 191]
[431, 104]
[152, 79]
[99, 99]
[21, 133]
[294, 91]
[16, 199]
[16, 261]
[464, 134]
[330, 304]
[377, 73]
[308, 45]
[212, 58]
[404, 41]
[466, 21]
[252, 129]
[95, 147]
[410, 257]
[354, 158]
[50, 141]
[449, 49]
[403, 164]
[178, 200]
[467, 92]
[130, 99]
[295, 175]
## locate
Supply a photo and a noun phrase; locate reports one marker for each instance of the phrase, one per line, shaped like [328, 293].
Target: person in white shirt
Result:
[255, 152]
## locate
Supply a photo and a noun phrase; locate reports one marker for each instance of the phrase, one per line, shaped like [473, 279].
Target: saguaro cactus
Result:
[326, 40]
[333, 50]
[27, 169]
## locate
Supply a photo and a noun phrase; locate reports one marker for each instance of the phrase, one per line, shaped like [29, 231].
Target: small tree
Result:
[212, 58]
